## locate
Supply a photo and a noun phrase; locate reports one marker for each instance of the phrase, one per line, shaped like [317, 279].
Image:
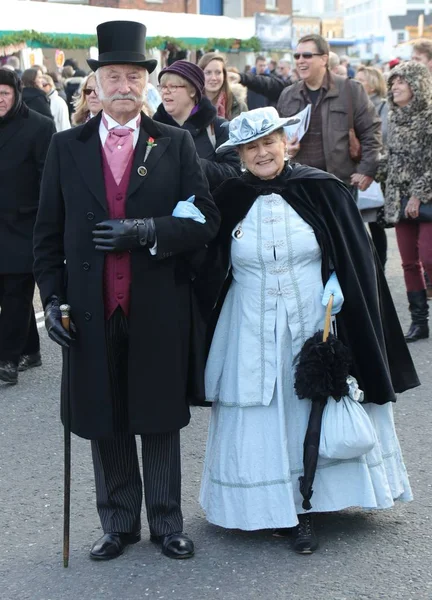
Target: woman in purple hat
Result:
[183, 105]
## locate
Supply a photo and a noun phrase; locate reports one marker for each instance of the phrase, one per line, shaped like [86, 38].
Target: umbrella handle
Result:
[327, 322]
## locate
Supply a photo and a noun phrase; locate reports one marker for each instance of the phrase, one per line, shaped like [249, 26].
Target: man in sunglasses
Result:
[338, 106]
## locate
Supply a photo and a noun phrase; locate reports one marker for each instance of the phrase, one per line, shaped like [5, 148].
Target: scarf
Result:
[221, 105]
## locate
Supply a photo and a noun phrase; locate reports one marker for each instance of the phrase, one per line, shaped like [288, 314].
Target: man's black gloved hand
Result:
[53, 324]
[121, 235]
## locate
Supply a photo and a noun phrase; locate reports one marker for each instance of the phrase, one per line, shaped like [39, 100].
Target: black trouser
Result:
[18, 331]
[115, 460]
[379, 238]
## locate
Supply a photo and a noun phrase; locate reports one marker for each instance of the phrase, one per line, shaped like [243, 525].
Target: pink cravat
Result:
[118, 149]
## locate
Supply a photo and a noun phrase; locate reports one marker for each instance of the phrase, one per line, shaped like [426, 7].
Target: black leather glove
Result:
[53, 324]
[121, 235]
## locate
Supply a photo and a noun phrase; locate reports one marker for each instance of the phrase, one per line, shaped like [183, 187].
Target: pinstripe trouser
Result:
[115, 460]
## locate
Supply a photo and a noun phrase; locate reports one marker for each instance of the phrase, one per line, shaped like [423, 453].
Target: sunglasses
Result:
[306, 55]
[88, 91]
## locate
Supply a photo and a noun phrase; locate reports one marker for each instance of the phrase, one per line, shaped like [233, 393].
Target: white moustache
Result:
[122, 97]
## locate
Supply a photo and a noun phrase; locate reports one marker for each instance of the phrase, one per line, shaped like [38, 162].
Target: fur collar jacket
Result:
[406, 167]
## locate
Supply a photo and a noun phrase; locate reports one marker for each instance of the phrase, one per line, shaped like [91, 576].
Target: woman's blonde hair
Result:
[375, 80]
[225, 88]
[80, 102]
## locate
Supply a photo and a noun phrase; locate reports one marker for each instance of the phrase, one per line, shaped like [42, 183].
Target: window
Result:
[271, 4]
[400, 37]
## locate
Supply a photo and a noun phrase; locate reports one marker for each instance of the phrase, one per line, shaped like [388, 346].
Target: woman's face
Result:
[176, 96]
[265, 157]
[401, 91]
[93, 103]
[39, 80]
[214, 76]
[363, 80]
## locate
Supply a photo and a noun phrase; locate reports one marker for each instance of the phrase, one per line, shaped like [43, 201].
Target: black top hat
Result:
[122, 43]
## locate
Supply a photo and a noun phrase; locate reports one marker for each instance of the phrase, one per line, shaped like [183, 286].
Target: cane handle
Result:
[327, 322]
[65, 316]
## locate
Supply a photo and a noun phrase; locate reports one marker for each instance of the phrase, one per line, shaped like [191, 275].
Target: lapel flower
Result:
[150, 145]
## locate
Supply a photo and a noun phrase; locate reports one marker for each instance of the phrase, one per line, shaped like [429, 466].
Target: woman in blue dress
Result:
[291, 236]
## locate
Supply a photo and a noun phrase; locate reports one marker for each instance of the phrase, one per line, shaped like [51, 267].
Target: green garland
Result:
[77, 41]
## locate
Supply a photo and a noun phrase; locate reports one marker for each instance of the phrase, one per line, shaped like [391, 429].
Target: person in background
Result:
[406, 170]
[33, 94]
[272, 66]
[375, 87]
[333, 62]
[184, 106]
[153, 100]
[345, 62]
[58, 106]
[14, 63]
[255, 99]
[422, 52]
[326, 143]
[86, 102]
[341, 70]
[284, 70]
[25, 136]
[72, 82]
[58, 82]
[217, 86]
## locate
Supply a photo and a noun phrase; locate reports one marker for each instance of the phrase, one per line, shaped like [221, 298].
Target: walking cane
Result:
[65, 313]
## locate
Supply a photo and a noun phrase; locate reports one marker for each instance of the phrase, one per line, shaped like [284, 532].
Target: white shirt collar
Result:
[132, 124]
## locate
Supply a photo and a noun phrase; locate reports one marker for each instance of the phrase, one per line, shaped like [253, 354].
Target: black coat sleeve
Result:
[41, 144]
[223, 165]
[49, 265]
[267, 85]
[177, 235]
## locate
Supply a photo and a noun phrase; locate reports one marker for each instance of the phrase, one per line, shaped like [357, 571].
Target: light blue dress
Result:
[254, 453]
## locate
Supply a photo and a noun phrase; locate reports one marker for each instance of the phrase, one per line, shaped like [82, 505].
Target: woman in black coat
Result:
[183, 105]
[33, 94]
[24, 139]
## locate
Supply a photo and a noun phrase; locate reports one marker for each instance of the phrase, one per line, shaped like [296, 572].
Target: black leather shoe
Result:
[8, 371]
[112, 545]
[175, 545]
[28, 361]
[306, 540]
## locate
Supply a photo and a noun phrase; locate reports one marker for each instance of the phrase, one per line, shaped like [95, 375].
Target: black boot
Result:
[306, 540]
[419, 309]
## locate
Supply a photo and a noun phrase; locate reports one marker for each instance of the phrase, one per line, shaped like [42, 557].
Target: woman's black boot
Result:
[419, 309]
[306, 540]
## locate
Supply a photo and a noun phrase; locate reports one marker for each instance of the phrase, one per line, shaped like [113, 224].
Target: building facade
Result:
[229, 8]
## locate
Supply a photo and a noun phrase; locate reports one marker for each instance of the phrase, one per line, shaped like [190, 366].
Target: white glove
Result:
[333, 288]
[187, 210]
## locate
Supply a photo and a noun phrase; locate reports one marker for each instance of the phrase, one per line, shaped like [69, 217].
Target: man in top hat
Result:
[106, 242]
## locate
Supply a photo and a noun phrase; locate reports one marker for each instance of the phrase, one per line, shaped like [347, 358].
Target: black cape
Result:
[368, 324]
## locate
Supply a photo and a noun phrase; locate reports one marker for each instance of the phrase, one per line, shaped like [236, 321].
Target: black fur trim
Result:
[322, 369]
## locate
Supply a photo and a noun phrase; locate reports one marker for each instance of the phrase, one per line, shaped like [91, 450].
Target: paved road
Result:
[363, 555]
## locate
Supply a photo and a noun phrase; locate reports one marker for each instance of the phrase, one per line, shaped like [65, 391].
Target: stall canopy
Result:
[80, 21]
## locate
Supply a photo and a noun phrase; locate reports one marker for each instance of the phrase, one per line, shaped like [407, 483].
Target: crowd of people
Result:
[198, 247]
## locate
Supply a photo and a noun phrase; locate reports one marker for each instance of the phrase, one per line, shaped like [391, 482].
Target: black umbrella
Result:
[322, 371]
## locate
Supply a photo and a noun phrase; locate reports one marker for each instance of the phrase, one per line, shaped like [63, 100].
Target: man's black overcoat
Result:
[24, 142]
[368, 323]
[73, 200]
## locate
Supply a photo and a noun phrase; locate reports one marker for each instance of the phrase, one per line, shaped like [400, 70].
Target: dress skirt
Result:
[254, 453]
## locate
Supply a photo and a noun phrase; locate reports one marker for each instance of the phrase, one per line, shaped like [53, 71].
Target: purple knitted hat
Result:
[188, 71]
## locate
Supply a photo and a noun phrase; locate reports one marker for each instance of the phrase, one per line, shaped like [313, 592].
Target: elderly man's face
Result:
[7, 98]
[121, 90]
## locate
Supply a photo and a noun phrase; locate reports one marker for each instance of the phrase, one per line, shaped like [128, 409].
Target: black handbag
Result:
[425, 212]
